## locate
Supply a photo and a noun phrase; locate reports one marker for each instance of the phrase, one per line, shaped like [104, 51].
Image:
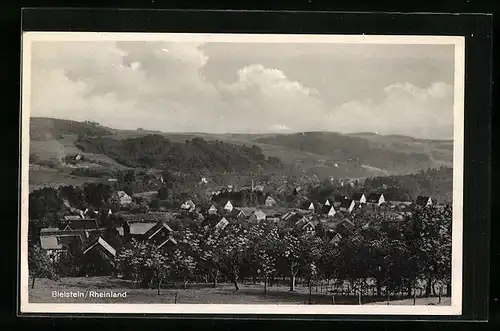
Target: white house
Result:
[258, 215]
[212, 210]
[331, 212]
[327, 202]
[222, 224]
[188, 205]
[228, 207]
[124, 198]
[311, 207]
[270, 201]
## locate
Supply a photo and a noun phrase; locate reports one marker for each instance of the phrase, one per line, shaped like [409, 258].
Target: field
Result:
[199, 294]
[40, 177]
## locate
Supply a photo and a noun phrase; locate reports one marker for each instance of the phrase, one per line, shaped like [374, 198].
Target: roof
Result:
[270, 198]
[50, 242]
[248, 210]
[72, 217]
[357, 196]
[80, 223]
[259, 214]
[166, 241]
[374, 197]
[156, 228]
[422, 200]
[140, 228]
[346, 203]
[103, 243]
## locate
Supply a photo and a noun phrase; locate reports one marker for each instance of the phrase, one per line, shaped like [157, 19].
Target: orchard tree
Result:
[40, 265]
[45, 203]
[262, 253]
[182, 265]
[233, 245]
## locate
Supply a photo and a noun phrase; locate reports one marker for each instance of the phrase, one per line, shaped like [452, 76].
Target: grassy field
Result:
[195, 294]
[52, 177]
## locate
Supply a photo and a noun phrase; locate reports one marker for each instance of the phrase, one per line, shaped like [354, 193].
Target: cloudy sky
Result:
[247, 87]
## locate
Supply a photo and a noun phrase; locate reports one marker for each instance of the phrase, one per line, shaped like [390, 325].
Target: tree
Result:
[182, 265]
[45, 203]
[233, 245]
[40, 265]
[262, 253]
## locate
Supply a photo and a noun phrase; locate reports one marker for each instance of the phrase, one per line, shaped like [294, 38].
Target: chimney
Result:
[252, 185]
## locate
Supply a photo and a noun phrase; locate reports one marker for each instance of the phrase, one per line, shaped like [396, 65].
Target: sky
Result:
[237, 87]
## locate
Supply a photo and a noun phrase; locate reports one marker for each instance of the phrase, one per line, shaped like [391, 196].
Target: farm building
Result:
[159, 234]
[100, 255]
[336, 239]
[375, 199]
[423, 201]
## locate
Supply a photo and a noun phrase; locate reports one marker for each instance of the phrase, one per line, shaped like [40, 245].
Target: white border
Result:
[459, 84]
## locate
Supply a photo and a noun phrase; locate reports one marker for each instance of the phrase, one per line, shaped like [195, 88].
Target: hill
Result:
[356, 155]
[193, 156]
[388, 154]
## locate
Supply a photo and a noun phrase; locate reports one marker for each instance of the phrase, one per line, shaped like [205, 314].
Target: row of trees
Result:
[392, 255]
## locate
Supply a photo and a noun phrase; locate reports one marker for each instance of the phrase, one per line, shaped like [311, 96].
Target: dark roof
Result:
[339, 198]
[326, 209]
[374, 197]
[157, 228]
[83, 223]
[422, 200]
[356, 196]
[346, 203]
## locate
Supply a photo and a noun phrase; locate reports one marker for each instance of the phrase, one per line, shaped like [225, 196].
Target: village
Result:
[84, 231]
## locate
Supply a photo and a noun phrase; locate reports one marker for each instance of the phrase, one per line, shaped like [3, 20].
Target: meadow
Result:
[202, 293]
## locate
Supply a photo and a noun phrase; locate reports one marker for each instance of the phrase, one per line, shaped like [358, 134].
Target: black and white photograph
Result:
[241, 173]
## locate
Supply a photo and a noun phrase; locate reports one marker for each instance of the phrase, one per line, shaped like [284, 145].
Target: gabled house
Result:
[222, 224]
[270, 201]
[347, 205]
[123, 198]
[159, 233]
[359, 198]
[99, 253]
[188, 205]
[338, 199]
[331, 211]
[336, 239]
[228, 206]
[423, 201]
[375, 199]
[257, 215]
[327, 202]
[308, 227]
[212, 210]
[50, 242]
[311, 207]
[78, 223]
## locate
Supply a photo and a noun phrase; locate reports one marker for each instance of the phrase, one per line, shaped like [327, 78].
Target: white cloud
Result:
[160, 86]
[404, 109]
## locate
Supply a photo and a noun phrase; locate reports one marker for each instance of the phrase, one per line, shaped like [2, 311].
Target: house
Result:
[68, 218]
[159, 233]
[270, 201]
[102, 244]
[100, 254]
[311, 207]
[236, 213]
[258, 215]
[203, 180]
[228, 206]
[327, 202]
[375, 199]
[331, 212]
[222, 224]
[347, 205]
[308, 227]
[50, 242]
[78, 223]
[123, 198]
[212, 210]
[188, 205]
[359, 198]
[336, 239]
[423, 201]
[136, 230]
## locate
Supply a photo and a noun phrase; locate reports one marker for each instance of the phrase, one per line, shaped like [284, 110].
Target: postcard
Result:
[241, 174]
